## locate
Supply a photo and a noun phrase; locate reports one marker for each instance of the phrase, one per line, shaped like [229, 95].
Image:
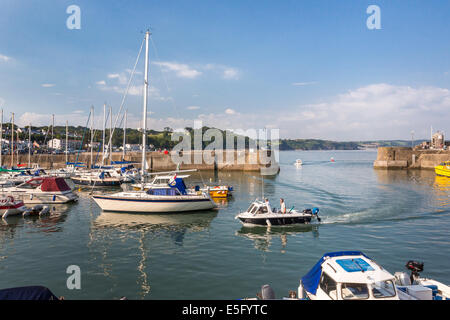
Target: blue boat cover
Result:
[121, 162]
[179, 184]
[354, 265]
[27, 293]
[312, 278]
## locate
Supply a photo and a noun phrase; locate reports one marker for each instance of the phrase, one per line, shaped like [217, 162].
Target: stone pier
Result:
[407, 158]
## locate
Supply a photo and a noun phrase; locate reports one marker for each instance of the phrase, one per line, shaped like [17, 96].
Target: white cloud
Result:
[48, 85]
[377, 111]
[101, 82]
[4, 58]
[230, 111]
[181, 70]
[231, 73]
[193, 108]
[301, 84]
[226, 72]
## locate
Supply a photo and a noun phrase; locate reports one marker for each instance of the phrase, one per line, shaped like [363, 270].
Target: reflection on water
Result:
[52, 222]
[391, 215]
[263, 236]
[442, 191]
[140, 230]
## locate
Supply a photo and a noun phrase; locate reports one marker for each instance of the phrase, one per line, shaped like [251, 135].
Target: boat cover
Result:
[54, 184]
[27, 293]
[312, 278]
[179, 184]
[121, 162]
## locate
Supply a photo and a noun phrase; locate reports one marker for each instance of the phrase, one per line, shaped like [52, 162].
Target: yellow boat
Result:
[219, 191]
[443, 169]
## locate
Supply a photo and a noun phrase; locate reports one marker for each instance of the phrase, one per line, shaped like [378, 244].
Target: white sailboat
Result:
[156, 200]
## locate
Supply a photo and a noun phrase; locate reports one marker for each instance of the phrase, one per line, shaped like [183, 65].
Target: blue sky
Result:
[310, 68]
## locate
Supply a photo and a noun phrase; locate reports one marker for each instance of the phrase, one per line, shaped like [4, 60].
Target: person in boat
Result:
[269, 209]
[282, 206]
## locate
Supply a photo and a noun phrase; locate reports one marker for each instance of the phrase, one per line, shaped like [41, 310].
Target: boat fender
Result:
[268, 222]
[300, 291]
[54, 197]
[45, 210]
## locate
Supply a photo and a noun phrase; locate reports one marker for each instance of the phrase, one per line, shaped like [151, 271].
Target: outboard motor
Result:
[415, 267]
[267, 293]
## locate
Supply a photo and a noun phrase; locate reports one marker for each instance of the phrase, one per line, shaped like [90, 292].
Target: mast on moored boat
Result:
[144, 125]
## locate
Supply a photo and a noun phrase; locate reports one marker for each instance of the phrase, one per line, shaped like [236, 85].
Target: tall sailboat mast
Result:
[104, 132]
[29, 146]
[124, 134]
[144, 116]
[67, 141]
[92, 136]
[53, 126]
[110, 135]
[12, 141]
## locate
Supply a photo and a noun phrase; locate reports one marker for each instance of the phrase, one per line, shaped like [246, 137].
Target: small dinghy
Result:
[261, 214]
[10, 207]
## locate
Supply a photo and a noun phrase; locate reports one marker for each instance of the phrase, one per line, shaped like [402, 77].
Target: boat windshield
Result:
[354, 291]
[250, 208]
[262, 210]
[383, 289]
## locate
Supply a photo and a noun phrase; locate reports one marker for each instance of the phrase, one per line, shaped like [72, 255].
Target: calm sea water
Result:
[391, 216]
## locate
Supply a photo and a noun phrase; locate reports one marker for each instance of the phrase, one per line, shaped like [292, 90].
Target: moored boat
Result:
[41, 190]
[97, 179]
[351, 275]
[443, 169]
[171, 199]
[11, 207]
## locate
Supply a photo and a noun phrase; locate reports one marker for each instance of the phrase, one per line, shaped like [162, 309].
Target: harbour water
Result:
[392, 216]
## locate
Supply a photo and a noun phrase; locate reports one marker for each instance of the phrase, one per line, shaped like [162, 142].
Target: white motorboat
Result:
[298, 163]
[41, 190]
[351, 275]
[262, 214]
[11, 207]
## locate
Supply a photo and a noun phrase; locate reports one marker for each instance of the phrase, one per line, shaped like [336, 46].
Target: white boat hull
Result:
[42, 197]
[157, 204]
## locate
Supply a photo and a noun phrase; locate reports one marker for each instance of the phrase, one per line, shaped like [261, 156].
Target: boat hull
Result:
[97, 182]
[442, 171]
[173, 205]
[275, 221]
[12, 209]
[43, 198]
